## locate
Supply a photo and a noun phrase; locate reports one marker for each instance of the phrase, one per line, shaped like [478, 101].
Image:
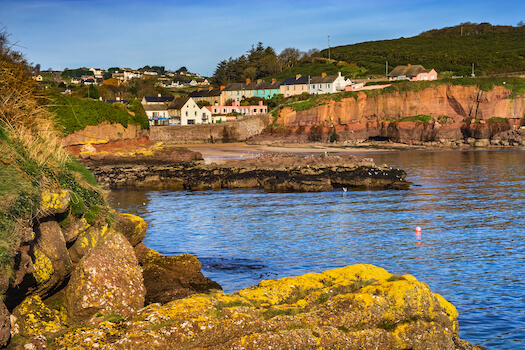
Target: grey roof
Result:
[156, 99]
[409, 71]
[295, 81]
[178, 103]
[205, 93]
[322, 80]
[154, 108]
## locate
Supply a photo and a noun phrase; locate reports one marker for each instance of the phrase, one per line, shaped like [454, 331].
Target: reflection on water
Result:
[471, 248]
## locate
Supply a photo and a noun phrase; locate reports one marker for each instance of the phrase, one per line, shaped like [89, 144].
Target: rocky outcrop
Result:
[168, 278]
[104, 133]
[356, 307]
[274, 172]
[108, 280]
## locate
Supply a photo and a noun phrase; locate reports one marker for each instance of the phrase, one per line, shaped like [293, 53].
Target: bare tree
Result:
[290, 56]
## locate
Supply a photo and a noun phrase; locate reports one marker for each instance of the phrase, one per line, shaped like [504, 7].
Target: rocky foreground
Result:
[81, 283]
[271, 172]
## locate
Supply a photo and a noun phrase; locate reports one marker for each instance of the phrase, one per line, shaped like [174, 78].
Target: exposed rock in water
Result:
[168, 278]
[273, 172]
[356, 307]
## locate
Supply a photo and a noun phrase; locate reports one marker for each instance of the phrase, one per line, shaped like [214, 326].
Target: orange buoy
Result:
[418, 229]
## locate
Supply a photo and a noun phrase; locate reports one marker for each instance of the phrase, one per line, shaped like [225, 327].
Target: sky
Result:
[197, 34]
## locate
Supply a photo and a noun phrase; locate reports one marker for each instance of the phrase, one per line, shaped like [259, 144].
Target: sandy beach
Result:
[219, 152]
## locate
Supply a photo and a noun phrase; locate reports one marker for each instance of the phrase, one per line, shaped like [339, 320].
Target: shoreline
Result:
[221, 152]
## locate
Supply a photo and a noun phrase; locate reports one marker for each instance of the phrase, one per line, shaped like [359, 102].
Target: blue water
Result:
[469, 204]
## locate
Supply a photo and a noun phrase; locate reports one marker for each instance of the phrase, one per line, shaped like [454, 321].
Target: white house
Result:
[328, 84]
[185, 111]
[157, 114]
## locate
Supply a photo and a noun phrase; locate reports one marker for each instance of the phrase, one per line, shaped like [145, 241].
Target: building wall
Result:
[290, 90]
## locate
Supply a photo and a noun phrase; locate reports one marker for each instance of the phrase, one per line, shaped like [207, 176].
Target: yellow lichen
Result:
[53, 200]
[43, 267]
[140, 224]
[34, 317]
[450, 309]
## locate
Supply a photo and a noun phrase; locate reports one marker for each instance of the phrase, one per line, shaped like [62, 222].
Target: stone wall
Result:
[204, 133]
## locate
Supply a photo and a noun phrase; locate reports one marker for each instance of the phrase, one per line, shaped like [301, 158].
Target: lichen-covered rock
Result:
[87, 240]
[75, 228]
[107, 280]
[167, 278]
[33, 317]
[51, 259]
[5, 325]
[131, 226]
[356, 307]
[54, 202]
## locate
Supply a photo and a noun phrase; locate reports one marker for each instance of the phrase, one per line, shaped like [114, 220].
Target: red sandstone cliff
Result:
[468, 108]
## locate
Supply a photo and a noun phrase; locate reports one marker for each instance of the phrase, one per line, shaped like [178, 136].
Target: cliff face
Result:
[458, 102]
[457, 113]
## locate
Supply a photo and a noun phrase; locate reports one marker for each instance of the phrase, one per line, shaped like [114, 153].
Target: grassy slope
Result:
[492, 53]
[73, 113]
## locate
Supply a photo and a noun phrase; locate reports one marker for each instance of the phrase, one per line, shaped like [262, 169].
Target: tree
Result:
[290, 56]
[182, 69]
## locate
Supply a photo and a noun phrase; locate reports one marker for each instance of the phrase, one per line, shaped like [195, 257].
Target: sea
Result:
[469, 204]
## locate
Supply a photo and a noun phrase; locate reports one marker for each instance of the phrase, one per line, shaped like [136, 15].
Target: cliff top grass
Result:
[74, 113]
[31, 158]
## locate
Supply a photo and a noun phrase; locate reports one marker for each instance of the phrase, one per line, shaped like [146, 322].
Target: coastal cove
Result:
[469, 205]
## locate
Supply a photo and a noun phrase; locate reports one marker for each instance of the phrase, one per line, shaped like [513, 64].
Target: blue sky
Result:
[62, 34]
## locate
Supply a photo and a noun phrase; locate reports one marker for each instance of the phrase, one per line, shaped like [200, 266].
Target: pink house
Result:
[412, 72]
[237, 108]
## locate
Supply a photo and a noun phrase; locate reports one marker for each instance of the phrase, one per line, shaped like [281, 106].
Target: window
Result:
[320, 86]
[224, 110]
[191, 121]
[287, 88]
[186, 113]
[313, 86]
[195, 113]
[328, 86]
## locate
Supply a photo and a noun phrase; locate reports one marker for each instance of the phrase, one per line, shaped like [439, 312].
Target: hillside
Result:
[493, 51]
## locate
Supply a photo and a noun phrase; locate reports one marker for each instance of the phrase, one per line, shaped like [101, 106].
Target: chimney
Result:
[297, 76]
[259, 81]
[210, 88]
[260, 103]
[274, 80]
[248, 81]
[408, 65]
[222, 87]
[339, 73]
[159, 95]
[323, 75]
[118, 98]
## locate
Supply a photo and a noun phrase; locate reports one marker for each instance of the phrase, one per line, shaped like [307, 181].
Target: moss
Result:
[394, 278]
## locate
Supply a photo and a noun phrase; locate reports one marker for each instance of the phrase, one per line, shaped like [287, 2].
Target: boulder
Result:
[5, 325]
[107, 280]
[356, 307]
[131, 226]
[167, 278]
[86, 240]
[32, 317]
[50, 258]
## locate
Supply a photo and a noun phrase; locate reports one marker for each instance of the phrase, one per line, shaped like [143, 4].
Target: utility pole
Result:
[386, 68]
[473, 75]
[328, 48]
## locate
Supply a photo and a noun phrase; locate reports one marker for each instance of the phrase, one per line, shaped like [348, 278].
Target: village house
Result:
[324, 84]
[185, 111]
[237, 108]
[239, 91]
[412, 72]
[97, 72]
[157, 114]
[156, 100]
[212, 96]
[294, 86]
